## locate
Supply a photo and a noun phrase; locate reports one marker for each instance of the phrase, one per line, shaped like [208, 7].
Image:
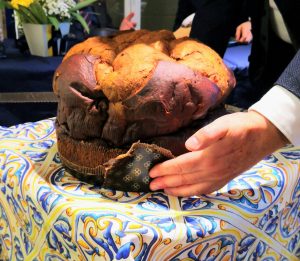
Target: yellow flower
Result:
[26, 3]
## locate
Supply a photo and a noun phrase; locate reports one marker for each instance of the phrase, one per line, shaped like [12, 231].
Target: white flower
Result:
[58, 8]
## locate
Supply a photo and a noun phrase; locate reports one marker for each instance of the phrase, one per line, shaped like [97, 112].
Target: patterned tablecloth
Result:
[46, 214]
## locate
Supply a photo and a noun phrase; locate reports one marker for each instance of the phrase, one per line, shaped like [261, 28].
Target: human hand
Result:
[218, 153]
[126, 23]
[243, 33]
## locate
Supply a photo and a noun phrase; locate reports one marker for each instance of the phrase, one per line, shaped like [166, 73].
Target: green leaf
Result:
[82, 21]
[4, 4]
[39, 13]
[26, 16]
[54, 21]
[82, 4]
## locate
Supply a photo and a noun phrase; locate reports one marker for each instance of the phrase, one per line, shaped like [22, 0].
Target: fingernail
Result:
[192, 143]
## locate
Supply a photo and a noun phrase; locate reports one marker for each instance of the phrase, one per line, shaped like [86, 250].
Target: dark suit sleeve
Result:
[290, 78]
[244, 14]
[215, 22]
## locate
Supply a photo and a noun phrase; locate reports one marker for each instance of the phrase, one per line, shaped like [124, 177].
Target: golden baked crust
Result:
[127, 60]
[129, 74]
[101, 47]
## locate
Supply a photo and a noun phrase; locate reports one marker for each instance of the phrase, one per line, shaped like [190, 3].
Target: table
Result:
[46, 214]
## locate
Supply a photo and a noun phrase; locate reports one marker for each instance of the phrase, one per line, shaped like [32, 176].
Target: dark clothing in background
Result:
[215, 21]
[98, 19]
[270, 55]
[100, 16]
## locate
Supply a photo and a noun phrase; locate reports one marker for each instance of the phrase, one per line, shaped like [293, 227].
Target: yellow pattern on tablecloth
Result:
[47, 214]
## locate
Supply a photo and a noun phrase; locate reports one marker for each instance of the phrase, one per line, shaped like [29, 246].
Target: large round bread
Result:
[130, 101]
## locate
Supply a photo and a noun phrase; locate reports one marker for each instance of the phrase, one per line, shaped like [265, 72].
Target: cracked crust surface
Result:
[126, 60]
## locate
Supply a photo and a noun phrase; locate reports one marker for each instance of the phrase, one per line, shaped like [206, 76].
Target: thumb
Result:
[206, 136]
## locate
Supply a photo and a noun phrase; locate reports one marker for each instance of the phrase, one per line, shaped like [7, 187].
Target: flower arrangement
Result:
[48, 11]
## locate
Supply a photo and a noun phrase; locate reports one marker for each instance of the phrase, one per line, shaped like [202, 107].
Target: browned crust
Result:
[189, 52]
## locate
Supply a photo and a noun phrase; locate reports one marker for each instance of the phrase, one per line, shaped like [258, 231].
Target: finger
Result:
[243, 39]
[192, 190]
[130, 25]
[207, 136]
[246, 35]
[238, 34]
[130, 16]
[216, 170]
[185, 163]
[249, 38]
[171, 181]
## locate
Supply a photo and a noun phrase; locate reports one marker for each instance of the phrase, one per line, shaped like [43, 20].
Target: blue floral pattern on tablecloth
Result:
[47, 214]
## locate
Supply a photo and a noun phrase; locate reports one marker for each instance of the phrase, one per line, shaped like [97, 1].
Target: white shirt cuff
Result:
[282, 108]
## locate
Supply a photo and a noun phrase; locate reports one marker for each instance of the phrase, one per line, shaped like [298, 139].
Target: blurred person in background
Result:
[215, 21]
[100, 22]
[276, 39]
[274, 28]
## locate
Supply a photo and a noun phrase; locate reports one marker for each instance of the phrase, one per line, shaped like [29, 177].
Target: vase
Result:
[38, 37]
[64, 28]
